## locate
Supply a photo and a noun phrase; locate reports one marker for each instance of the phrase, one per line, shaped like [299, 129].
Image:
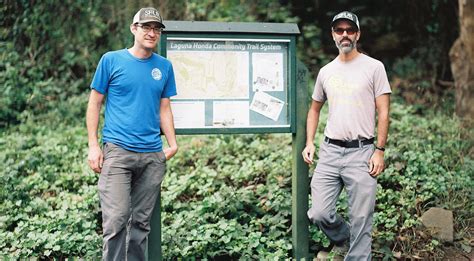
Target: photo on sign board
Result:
[267, 105]
[188, 114]
[267, 70]
[231, 113]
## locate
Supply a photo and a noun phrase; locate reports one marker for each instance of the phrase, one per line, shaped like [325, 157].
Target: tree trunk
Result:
[462, 63]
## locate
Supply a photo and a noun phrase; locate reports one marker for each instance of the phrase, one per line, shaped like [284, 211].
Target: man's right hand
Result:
[308, 153]
[95, 158]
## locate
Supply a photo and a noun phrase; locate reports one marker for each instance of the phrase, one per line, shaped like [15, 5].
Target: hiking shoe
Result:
[322, 256]
[338, 252]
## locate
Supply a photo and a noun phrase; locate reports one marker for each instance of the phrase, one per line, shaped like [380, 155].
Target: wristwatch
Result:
[379, 148]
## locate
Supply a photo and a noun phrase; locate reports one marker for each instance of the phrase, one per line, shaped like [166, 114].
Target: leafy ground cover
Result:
[225, 196]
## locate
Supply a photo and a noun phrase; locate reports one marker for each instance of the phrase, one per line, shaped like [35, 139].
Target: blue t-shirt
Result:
[134, 88]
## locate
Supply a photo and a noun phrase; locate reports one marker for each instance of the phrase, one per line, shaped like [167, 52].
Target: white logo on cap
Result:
[151, 13]
[345, 15]
[156, 74]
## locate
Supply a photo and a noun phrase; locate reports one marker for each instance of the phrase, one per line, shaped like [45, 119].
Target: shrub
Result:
[49, 198]
[225, 196]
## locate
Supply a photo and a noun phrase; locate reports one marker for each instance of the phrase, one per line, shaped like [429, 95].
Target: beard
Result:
[346, 48]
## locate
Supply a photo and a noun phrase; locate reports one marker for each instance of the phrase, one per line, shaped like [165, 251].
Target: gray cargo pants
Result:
[340, 167]
[129, 184]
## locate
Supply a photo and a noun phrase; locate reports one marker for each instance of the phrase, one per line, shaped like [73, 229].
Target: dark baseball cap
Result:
[346, 15]
[147, 15]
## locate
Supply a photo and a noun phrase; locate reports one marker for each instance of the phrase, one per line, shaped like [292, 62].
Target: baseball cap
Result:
[347, 16]
[146, 15]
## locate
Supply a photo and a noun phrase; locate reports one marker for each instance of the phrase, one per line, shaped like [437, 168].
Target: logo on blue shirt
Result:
[156, 74]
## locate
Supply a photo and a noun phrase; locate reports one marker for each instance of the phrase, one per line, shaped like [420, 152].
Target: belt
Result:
[350, 143]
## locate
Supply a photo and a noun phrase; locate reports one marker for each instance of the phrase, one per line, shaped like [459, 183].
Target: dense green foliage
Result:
[227, 196]
[224, 196]
[47, 55]
[49, 197]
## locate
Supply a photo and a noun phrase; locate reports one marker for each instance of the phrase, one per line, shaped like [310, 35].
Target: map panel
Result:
[210, 74]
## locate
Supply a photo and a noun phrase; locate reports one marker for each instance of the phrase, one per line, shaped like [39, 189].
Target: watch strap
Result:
[379, 148]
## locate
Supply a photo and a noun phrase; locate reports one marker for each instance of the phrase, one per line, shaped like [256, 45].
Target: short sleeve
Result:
[318, 92]
[170, 86]
[381, 84]
[101, 79]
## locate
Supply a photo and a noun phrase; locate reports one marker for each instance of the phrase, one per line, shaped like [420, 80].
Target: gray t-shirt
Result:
[351, 88]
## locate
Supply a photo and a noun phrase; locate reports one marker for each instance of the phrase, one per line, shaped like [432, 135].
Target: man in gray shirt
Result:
[356, 87]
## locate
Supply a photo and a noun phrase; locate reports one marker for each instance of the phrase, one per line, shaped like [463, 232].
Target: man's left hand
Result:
[376, 163]
[169, 152]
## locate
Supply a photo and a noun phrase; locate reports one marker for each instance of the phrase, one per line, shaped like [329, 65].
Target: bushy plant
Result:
[49, 199]
[224, 196]
[49, 51]
[428, 165]
[229, 196]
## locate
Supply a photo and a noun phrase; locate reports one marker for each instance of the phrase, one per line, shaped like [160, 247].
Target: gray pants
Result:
[340, 167]
[128, 187]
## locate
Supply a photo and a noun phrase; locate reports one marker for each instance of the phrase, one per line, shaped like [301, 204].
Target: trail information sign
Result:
[235, 78]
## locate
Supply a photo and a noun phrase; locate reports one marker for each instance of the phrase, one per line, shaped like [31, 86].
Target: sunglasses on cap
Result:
[350, 30]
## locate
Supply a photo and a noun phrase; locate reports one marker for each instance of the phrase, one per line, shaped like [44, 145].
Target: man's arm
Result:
[95, 157]
[167, 126]
[376, 163]
[311, 127]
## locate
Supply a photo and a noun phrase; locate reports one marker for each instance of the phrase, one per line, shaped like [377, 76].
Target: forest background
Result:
[229, 196]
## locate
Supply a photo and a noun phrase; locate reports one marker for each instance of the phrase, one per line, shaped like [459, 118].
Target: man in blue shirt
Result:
[138, 84]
